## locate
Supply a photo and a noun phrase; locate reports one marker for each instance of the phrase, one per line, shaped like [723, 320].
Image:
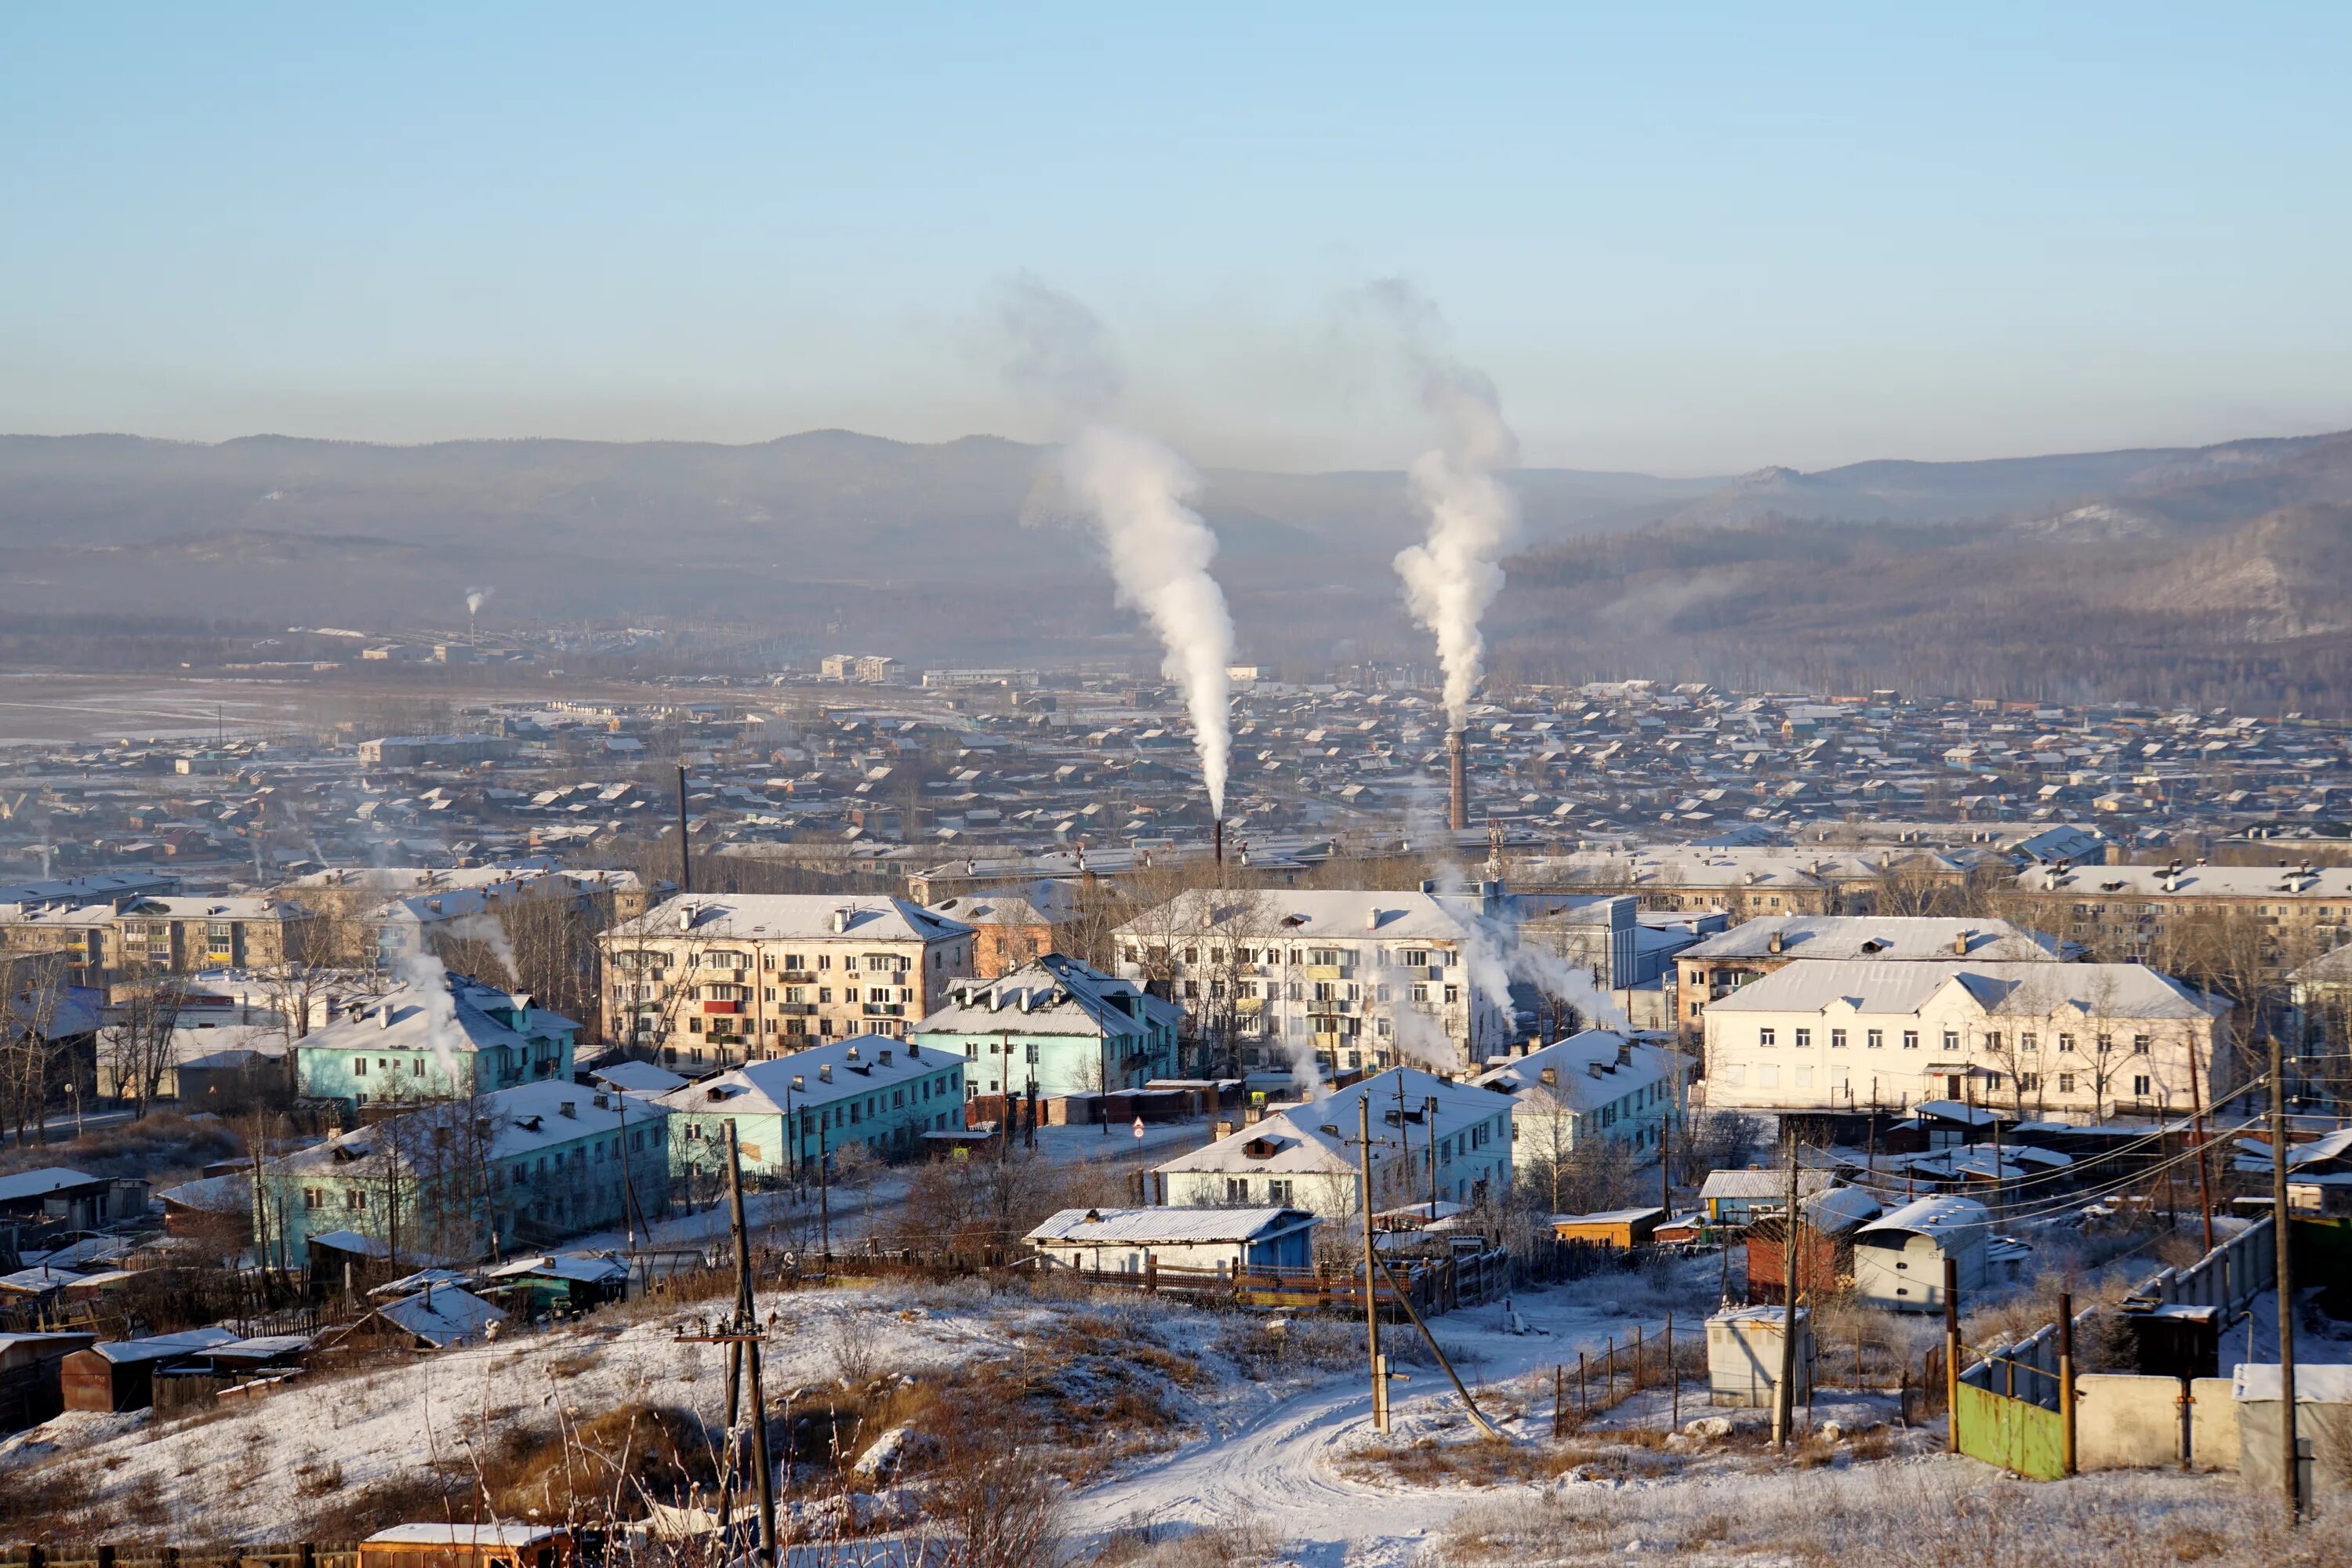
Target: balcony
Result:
[1326, 972]
[797, 1009]
[722, 1006]
[883, 1009]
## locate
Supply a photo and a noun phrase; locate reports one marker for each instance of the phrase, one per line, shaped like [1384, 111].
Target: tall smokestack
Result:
[1457, 815]
[1217, 839]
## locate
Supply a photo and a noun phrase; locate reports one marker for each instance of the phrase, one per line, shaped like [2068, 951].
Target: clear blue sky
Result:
[1686, 238]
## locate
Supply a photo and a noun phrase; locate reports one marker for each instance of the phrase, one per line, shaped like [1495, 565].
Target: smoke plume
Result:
[1133, 491]
[1553, 975]
[475, 599]
[425, 981]
[1453, 576]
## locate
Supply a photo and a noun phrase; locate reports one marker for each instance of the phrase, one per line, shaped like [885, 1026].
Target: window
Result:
[2065, 1042]
[355, 1199]
[2029, 1081]
[2140, 1087]
[2065, 1083]
[359, 1067]
[1837, 1039]
[1910, 1039]
[2029, 1042]
[1992, 1039]
[1236, 1189]
[313, 1198]
[1767, 1036]
[2105, 1044]
[1875, 1040]
[1278, 1191]
[1453, 994]
[2139, 1045]
[1804, 1038]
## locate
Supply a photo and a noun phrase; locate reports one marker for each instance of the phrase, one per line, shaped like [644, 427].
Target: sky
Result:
[1687, 239]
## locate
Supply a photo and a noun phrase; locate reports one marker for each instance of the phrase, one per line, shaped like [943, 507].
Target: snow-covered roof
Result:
[638, 1078]
[586, 1267]
[790, 917]
[1576, 1086]
[164, 1347]
[353, 1241]
[26, 1186]
[528, 1119]
[444, 1315]
[1166, 1227]
[1050, 995]
[1761, 1182]
[1292, 1141]
[1316, 914]
[1935, 1217]
[2200, 881]
[452, 1012]
[2315, 1383]
[1881, 937]
[826, 1072]
[2130, 991]
[510, 1537]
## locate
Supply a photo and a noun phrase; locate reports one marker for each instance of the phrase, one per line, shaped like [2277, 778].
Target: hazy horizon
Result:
[1685, 244]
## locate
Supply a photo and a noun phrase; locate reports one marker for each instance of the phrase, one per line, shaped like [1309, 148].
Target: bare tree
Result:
[140, 1038]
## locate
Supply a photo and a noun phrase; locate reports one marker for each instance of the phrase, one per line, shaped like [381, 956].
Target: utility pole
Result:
[747, 1324]
[2197, 1107]
[1784, 1396]
[824, 1188]
[685, 851]
[2289, 1455]
[1372, 1302]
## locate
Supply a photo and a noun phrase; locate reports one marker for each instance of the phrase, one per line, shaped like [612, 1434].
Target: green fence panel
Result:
[2022, 1439]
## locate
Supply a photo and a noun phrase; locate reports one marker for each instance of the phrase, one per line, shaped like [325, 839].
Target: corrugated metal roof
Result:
[1167, 1226]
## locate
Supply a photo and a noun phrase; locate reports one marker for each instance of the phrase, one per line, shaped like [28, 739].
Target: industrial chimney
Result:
[1457, 815]
[1217, 840]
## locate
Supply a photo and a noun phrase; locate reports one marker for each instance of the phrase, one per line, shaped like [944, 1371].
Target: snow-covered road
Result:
[1276, 1473]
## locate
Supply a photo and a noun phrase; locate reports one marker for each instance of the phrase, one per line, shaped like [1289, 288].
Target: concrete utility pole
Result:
[1784, 1401]
[2290, 1457]
[1372, 1302]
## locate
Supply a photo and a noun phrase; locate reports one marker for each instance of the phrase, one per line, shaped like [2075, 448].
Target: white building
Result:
[734, 977]
[1359, 978]
[1598, 1084]
[2063, 1041]
[1133, 1241]
[1305, 1156]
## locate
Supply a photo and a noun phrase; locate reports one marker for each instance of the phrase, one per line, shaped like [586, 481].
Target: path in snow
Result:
[1277, 1472]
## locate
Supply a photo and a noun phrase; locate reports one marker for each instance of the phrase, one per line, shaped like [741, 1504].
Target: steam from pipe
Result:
[1453, 576]
[1133, 491]
[475, 599]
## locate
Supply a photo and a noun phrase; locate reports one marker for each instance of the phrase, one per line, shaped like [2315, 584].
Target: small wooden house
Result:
[120, 1373]
[1621, 1228]
[467, 1546]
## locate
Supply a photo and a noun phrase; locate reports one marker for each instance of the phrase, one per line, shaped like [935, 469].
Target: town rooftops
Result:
[790, 917]
[1935, 1217]
[1167, 1226]
[638, 1077]
[1856, 937]
[2300, 880]
[1292, 1140]
[828, 1070]
[2019, 990]
[30, 1186]
[1312, 914]
[512, 1124]
[473, 1017]
[1050, 995]
[1589, 1069]
[1761, 1182]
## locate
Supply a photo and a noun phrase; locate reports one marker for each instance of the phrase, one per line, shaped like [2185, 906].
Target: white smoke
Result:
[425, 981]
[1553, 975]
[1133, 490]
[1306, 1072]
[487, 930]
[1451, 578]
[475, 599]
[1420, 1038]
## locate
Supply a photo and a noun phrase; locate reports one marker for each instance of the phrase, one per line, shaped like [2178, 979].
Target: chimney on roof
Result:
[383, 1016]
[1457, 815]
[840, 922]
[1372, 920]
[824, 1072]
[1550, 1077]
[1254, 1115]
[1960, 943]
[567, 1108]
[1776, 944]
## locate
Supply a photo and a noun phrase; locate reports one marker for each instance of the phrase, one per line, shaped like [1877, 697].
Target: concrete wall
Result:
[2213, 1423]
[2127, 1421]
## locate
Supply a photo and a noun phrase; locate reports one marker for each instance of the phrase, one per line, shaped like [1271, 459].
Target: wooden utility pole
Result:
[1951, 1354]
[2066, 1377]
[747, 1326]
[1784, 1408]
[1372, 1302]
[2290, 1455]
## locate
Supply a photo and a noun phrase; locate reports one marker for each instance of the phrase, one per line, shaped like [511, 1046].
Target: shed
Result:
[1898, 1260]
[434, 1318]
[467, 1546]
[120, 1374]
[1123, 1240]
[1736, 1198]
[1825, 1231]
[1743, 1354]
[31, 1383]
[1622, 1228]
[2323, 1422]
[572, 1281]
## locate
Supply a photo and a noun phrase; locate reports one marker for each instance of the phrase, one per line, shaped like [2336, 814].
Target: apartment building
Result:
[450, 1039]
[723, 979]
[1596, 1084]
[1362, 979]
[383, 914]
[2129, 910]
[530, 1165]
[1061, 1025]
[1721, 964]
[1304, 1156]
[1009, 929]
[790, 1111]
[151, 934]
[1749, 881]
[2075, 1042]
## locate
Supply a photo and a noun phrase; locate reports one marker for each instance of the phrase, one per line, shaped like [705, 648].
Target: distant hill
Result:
[2156, 572]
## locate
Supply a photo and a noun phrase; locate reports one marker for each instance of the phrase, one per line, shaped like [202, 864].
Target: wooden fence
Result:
[275, 1554]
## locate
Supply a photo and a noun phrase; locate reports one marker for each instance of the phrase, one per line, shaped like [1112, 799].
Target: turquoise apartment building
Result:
[872, 1091]
[1057, 1022]
[416, 1046]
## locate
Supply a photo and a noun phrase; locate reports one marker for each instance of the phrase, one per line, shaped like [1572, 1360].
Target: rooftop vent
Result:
[824, 1072]
[853, 1053]
[569, 1108]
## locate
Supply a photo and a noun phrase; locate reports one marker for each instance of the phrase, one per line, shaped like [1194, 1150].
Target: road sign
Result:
[1139, 1127]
